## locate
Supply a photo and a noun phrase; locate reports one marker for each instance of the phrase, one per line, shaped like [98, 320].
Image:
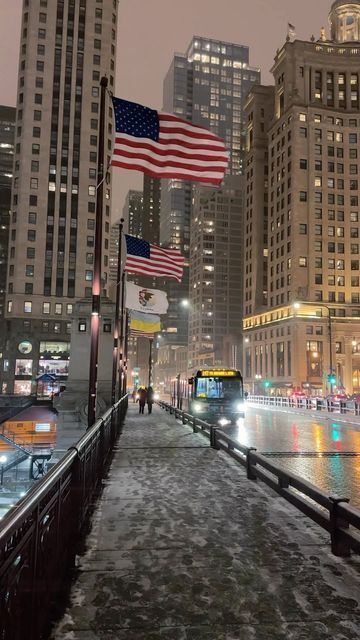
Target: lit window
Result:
[58, 308]
[27, 307]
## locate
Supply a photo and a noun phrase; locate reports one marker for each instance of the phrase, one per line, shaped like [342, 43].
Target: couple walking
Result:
[146, 396]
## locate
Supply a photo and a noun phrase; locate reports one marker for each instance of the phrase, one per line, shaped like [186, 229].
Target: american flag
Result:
[151, 260]
[166, 146]
[141, 334]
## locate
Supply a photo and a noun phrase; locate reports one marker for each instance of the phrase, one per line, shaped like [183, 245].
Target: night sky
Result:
[151, 30]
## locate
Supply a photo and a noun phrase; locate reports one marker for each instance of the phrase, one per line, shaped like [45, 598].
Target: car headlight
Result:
[223, 422]
[197, 407]
[239, 406]
[156, 396]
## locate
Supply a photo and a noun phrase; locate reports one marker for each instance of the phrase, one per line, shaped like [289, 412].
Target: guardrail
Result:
[39, 536]
[332, 513]
[312, 404]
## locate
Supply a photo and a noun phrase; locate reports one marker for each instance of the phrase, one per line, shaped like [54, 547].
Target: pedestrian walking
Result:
[142, 399]
[150, 399]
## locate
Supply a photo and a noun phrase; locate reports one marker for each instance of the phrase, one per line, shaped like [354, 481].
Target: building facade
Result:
[301, 281]
[7, 137]
[66, 46]
[216, 276]
[208, 86]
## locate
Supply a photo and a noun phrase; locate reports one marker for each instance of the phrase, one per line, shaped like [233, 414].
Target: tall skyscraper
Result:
[66, 46]
[207, 85]
[302, 222]
[7, 136]
[216, 259]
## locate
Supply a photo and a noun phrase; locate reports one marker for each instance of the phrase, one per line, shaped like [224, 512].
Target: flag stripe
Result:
[157, 172]
[171, 161]
[170, 150]
[170, 118]
[136, 264]
[168, 145]
[150, 269]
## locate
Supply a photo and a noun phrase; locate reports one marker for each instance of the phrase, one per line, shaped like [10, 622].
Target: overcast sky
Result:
[151, 30]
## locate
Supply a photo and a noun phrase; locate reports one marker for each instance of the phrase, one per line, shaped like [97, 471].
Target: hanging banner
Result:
[146, 300]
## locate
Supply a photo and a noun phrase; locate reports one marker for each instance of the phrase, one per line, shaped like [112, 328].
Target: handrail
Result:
[332, 513]
[343, 406]
[39, 535]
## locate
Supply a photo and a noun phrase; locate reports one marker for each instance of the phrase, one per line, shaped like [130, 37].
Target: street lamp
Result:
[185, 303]
[331, 377]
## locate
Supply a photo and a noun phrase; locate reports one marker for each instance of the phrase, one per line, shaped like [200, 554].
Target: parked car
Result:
[336, 398]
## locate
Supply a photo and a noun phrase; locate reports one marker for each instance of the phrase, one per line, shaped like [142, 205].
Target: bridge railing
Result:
[343, 406]
[332, 513]
[39, 536]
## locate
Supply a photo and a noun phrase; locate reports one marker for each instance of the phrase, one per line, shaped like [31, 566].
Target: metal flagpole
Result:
[126, 350]
[150, 360]
[121, 355]
[96, 285]
[117, 319]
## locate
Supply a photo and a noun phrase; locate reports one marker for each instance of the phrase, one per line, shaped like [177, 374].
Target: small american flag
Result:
[166, 146]
[151, 260]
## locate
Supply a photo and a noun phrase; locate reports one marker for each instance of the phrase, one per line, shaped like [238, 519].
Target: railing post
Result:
[183, 418]
[194, 425]
[249, 465]
[213, 439]
[342, 406]
[339, 546]
[357, 407]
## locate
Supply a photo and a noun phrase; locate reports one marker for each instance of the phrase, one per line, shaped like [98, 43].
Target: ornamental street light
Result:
[331, 377]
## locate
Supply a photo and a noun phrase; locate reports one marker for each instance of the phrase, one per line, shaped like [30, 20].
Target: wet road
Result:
[325, 452]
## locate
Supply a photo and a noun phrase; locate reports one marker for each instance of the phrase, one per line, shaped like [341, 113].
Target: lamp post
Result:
[297, 305]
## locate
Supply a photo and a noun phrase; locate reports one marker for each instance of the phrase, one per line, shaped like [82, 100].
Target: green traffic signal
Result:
[266, 384]
[331, 378]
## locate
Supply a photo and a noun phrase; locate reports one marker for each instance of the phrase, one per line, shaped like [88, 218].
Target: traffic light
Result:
[331, 378]
[266, 384]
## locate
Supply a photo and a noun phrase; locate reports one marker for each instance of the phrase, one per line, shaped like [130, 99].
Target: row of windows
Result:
[331, 231]
[353, 122]
[338, 199]
[331, 136]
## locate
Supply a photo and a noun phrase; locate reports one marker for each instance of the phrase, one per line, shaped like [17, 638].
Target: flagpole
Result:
[126, 350]
[117, 318]
[96, 284]
[150, 360]
[122, 315]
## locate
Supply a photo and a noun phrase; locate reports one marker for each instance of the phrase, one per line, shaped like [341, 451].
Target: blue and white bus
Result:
[217, 396]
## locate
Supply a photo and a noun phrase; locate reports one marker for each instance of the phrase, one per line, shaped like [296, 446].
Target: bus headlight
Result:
[239, 407]
[223, 422]
[197, 407]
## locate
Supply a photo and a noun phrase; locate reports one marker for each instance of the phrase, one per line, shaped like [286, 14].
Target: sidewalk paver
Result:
[184, 547]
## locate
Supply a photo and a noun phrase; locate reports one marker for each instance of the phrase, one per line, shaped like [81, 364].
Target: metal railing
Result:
[39, 536]
[332, 513]
[350, 407]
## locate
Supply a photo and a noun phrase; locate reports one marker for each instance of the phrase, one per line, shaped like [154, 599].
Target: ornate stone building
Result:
[302, 225]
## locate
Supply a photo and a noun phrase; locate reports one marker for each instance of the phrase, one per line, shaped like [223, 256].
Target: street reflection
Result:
[325, 452]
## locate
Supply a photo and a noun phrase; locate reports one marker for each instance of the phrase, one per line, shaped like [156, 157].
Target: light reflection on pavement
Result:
[297, 442]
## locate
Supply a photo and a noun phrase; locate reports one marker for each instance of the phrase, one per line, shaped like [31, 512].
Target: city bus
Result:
[217, 396]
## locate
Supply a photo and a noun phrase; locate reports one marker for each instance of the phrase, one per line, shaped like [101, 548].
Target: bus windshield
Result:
[218, 388]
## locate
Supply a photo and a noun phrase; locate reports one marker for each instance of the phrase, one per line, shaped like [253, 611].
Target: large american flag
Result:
[151, 260]
[166, 146]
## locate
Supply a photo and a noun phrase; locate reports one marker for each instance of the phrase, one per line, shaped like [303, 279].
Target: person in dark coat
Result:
[150, 399]
[142, 399]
